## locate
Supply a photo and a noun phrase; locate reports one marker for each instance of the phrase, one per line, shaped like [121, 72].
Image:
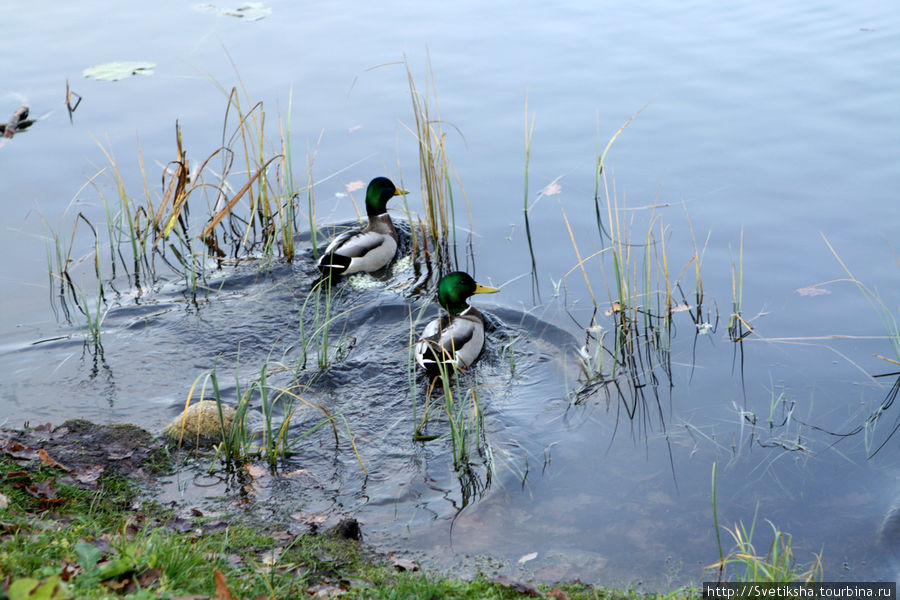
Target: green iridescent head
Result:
[380, 190]
[455, 288]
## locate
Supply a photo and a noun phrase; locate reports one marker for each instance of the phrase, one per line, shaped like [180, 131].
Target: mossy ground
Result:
[63, 535]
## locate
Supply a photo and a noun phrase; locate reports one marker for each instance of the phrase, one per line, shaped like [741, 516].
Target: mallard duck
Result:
[457, 338]
[370, 248]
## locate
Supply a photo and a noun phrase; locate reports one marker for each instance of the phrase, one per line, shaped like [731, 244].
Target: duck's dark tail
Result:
[333, 265]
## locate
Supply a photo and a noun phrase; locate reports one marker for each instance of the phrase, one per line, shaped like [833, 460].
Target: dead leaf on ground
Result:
[326, 590]
[522, 588]
[88, 476]
[309, 518]
[42, 490]
[283, 536]
[557, 594]
[222, 591]
[402, 564]
[4, 501]
[69, 570]
[17, 450]
[46, 459]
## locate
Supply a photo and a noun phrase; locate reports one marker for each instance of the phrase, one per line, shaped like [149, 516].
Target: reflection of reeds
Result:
[529, 132]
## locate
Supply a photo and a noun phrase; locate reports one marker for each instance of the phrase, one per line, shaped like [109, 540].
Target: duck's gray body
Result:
[362, 250]
[454, 340]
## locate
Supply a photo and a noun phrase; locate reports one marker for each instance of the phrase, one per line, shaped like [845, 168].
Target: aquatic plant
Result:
[242, 434]
[203, 216]
[436, 175]
[744, 564]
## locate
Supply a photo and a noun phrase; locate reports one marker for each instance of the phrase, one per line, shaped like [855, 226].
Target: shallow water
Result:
[769, 121]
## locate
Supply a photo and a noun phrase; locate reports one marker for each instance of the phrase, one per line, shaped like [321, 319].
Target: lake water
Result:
[768, 126]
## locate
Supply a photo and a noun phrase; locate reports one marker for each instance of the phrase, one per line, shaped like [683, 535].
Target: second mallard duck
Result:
[372, 247]
[454, 340]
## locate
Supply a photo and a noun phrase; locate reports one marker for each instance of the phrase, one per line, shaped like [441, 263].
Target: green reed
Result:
[436, 172]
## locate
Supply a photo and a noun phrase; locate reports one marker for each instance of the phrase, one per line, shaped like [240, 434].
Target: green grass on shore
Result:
[59, 540]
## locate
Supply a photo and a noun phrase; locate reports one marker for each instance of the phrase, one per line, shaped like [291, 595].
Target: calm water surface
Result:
[776, 122]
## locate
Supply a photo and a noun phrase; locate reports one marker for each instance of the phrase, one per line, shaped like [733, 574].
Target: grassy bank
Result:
[77, 531]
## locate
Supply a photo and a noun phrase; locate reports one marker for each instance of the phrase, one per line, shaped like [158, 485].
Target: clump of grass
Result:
[239, 434]
[744, 564]
[738, 327]
[777, 565]
[238, 203]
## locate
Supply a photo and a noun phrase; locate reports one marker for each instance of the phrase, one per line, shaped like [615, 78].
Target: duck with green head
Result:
[456, 339]
[370, 248]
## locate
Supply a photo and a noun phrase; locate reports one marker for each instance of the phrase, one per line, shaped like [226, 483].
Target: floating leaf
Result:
[552, 189]
[528, 557]
[254, 471]
[354, 185]
[115, 71]
[812, 291]
[251, 11]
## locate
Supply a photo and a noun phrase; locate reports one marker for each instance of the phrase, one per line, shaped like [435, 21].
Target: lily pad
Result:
[115, 71]
[251, 11]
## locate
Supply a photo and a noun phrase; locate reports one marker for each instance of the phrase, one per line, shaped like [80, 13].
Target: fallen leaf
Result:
[552, 189]
[42, 490]
[254, 471]
[325, 590]
[283, 536]
[681, 308]
[90, 475]
[4, 501]
[527, 557]
[180, 525]
[69, 570]
[50, 588]
[522, 588]
[222, 591]
[402, 564]
[557, 594]
[115, 71]
[17, 450]
[812, 291]
[251, 11]
[48, 460]
[354, 185]
[309, 518]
